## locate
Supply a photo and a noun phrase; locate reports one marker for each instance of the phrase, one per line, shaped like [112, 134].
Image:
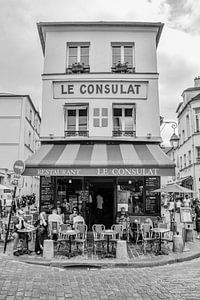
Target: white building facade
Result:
[100, 127]
[188, 152]
[19, 139]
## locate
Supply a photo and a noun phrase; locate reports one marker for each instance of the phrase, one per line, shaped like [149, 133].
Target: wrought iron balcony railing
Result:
[119, 133]
[84, 133]
[78, 68]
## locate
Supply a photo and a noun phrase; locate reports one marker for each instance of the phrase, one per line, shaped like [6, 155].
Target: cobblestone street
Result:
[23, 281]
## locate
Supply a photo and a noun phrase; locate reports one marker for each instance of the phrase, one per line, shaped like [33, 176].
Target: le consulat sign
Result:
[98, 89]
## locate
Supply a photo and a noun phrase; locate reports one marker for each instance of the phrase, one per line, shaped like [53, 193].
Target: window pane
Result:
[72, 55]
[71, 123]
[84, 55]
[104, 112]
[82, 112]
[128, 55]
[117, 112]
[71, 112]
[117, 124]
[116, 54]
[104, 122]
[96, 112]
[83, 123]
[96, 122]
[128, 112]
[128, 124]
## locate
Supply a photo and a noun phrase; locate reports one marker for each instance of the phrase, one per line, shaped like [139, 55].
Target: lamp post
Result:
[174, 141]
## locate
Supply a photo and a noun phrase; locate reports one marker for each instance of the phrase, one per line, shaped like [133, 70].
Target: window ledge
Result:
[83, 133]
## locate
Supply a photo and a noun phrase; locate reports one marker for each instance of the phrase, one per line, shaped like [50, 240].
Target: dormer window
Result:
[78, 58]
[123, 58]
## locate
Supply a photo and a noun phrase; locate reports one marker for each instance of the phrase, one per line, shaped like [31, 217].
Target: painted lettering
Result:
[83, 88]
[137, 88]
[67, 89]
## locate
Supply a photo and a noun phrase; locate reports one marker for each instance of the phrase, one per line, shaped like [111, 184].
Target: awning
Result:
[99, 159]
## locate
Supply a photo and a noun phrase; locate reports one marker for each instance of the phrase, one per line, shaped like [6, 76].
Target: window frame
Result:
[123, 107]
[122, 46]
[77, 130]
[77, 45]
[100, 117]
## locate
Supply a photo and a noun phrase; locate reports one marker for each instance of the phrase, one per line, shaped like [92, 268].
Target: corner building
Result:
[100, 130]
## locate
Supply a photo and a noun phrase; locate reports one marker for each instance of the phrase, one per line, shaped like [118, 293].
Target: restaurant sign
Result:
[98, 89]
[98, 172]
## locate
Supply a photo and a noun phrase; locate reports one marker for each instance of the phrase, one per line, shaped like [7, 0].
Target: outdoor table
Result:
[70, 233]
[26, 231]
[160, 231]
[108, 233]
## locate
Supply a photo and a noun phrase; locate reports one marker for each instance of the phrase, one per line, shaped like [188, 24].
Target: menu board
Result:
[152, 199]
[186, 215]
[46, 194]
[84, 196]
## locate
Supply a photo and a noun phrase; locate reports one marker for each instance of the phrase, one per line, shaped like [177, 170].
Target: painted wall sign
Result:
[99, 89]
[98, 172]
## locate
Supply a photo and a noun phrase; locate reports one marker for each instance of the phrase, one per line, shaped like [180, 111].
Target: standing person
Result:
[197, 212]
[187, 201]
[99, 207]
[178, 205]
[41, 232]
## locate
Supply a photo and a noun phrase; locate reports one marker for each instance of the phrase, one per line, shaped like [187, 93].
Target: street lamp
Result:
[174, 139]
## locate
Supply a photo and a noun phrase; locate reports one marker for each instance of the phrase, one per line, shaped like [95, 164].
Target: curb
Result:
[106, 265]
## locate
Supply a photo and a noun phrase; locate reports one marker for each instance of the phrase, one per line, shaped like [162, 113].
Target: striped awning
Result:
[99, 159]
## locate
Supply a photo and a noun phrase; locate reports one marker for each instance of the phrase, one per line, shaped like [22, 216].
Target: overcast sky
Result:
[21, 58]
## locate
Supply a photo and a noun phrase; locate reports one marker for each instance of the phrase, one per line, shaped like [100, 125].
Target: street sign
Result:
[19, 167]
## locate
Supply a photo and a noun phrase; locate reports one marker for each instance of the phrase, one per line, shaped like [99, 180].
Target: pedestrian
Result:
[41, 232]
[178, 205]
[197, 212]
[99, 207]
[186, 201]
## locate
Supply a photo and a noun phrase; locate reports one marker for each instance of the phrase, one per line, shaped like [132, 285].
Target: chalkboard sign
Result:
[186, 215]
[152, 199]
[46, 194]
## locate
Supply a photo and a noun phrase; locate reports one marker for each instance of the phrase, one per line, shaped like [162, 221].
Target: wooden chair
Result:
[98, 237]
[147, 237]
[81, 236]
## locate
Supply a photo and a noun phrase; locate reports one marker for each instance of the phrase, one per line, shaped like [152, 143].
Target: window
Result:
[124, 120]
[197, 119]
[100, 117]
[181, 162]
[78, 58]
[76, 121]
[184, 160]
[188, 126]
[122, 56]
[183, 136]
[198, 154]
[189, 157]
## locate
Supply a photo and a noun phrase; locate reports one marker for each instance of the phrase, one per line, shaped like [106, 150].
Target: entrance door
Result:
[101, 209]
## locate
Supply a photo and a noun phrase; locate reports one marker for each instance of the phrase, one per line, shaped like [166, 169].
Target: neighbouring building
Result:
[100, 130]
[19, 139]
[188, 152]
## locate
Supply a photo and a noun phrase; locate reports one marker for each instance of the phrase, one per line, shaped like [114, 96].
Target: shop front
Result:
[100, 178]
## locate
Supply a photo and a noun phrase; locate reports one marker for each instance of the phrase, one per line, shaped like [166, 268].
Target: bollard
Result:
[178, 243]
[121, 251]
[48, 250]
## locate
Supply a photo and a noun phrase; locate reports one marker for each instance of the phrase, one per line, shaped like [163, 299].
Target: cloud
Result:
[182, 14]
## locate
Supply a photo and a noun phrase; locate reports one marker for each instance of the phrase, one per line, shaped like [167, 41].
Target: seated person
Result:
[19, 223]
[138, 209]
[54, 217]
[123, 219]
[75, 217]
[41, 232]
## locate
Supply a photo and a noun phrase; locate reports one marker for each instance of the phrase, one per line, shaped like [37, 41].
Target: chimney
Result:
[197, 81]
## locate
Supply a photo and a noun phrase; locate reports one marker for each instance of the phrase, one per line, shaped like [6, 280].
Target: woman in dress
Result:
[41, 232]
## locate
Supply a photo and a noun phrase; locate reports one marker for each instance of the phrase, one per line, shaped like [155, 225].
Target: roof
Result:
[197, 97]
[9, 95]
[43, 26]
[197, 88]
